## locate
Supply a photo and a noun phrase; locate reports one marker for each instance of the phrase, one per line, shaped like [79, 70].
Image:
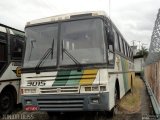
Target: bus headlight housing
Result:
[102, 88]
[94, 88]
[28, 90]
[88, 88]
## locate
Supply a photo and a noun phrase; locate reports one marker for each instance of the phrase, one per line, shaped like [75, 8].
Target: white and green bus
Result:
[75, 62]
[11, 48]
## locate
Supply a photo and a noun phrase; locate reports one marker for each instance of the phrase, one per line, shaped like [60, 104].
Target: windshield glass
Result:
[83, 40]
[39, 40]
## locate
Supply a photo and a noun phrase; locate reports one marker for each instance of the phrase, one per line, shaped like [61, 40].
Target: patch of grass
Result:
[131, 102]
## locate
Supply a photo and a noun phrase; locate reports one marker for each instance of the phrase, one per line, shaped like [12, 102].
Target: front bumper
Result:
[69, 102]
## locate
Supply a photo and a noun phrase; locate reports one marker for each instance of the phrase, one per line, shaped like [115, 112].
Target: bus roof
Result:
[10, 27]
[65, 17]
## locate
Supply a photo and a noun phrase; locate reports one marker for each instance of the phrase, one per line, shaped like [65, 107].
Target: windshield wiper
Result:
[32, 46]
[44, 57]
[70, 56]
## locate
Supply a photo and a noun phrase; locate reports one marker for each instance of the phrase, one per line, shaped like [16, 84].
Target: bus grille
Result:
[59, 90]
[63, 104]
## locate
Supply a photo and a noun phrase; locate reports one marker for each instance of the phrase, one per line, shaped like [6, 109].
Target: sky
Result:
[134, 18]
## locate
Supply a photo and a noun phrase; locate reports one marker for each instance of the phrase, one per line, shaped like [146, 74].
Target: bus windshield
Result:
[84, 40]
[39, 40]
[81, 40]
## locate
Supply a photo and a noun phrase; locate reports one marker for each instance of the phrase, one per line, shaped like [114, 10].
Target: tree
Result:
[143, 51]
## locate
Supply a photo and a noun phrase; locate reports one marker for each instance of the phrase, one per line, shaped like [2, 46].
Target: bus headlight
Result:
[94, 88]
[33, 90]
[102, 88]
[95, 100]
[88, 88]
[28, 91]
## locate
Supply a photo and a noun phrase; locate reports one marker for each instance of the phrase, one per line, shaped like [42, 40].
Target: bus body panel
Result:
[65, 78]
[49, 91]
[123, 73]
[70, 89]
[10, 72]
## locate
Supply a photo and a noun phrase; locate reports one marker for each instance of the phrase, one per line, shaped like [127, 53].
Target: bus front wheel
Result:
[115, 108]
[53, 115]
[7, 102]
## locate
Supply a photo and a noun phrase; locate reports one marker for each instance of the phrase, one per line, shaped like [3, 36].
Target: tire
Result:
[52, 116]
[7, 102]
[103, 115]
[114, 110]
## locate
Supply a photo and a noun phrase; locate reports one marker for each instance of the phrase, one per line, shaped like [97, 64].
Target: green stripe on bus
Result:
[75, 77]
[124, 74]
[62, 78]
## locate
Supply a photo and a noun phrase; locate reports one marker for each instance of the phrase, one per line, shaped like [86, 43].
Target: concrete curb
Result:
[154, 102]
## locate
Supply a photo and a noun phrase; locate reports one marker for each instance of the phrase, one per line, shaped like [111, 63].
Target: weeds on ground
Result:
[131, 102]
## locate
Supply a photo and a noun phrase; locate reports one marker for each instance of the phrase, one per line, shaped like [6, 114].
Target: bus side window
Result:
[110, 39]
[116, 41]
[121, 45]
[3, 33]
[128, 51]
[124, 47]
[3, 48]
[16, 47]
[2, 55]
[131, 54]
[110, 44]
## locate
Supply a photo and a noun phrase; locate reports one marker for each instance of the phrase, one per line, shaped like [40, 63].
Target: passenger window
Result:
[121, 45]
[3, 48]
[16, 47]
[116, 40]
[3, 33]
[110, 41]
[125, 47]
[2, 52]
[132, 54]
[3, 57]
[128, 51]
